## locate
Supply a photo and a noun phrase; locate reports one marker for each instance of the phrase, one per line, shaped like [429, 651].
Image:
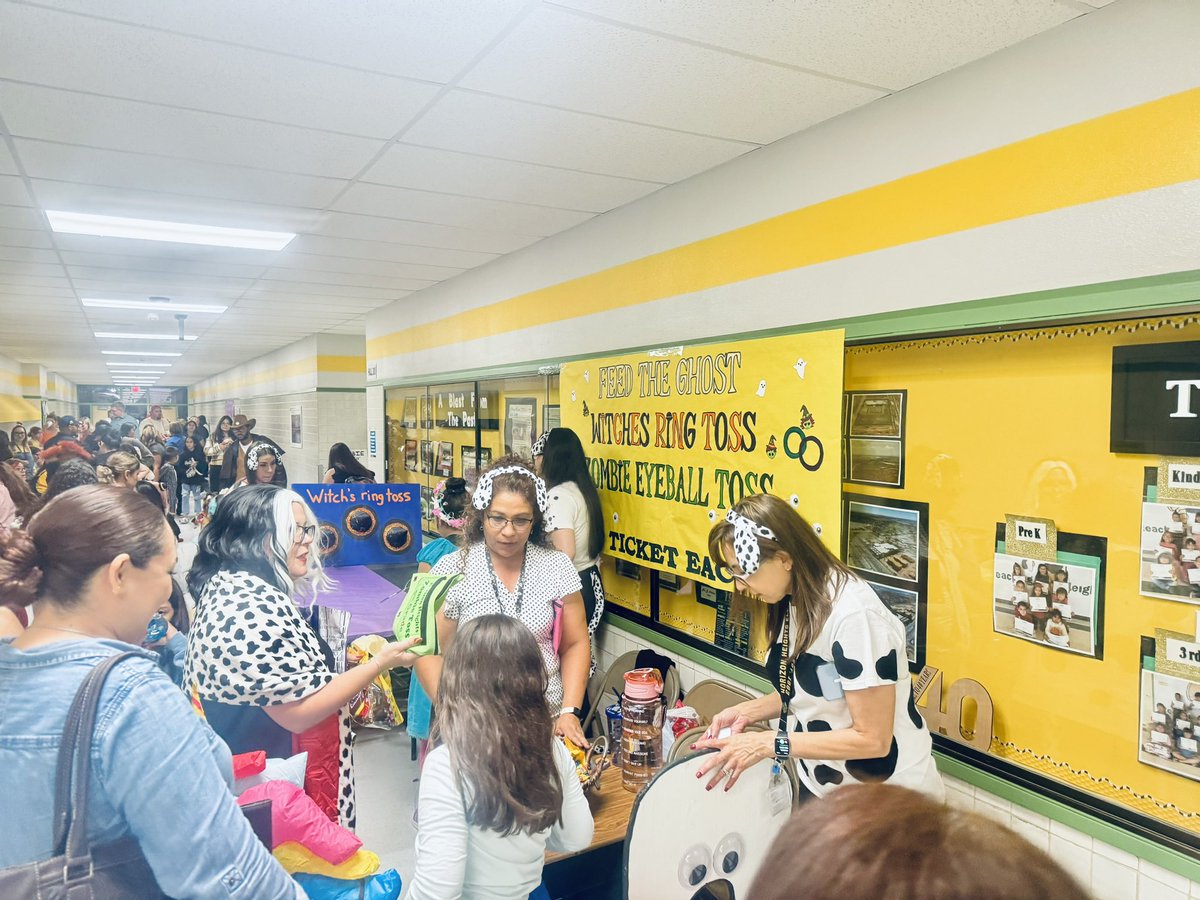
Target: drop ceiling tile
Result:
[281, 277]
[24, 282]
[26, 254]
[49, 47]
[13, 191]
[21, 237]
[496, 126]
[420, 40]
[178, 290]
[10, 269]
[72, 118]
[166, 265]
[406, 165]
[450, 209]
[21, 217]
[436, 244]
[8, 165]
[128, 247]
[49, 293]
[373, 250]
[562, 59]
[302, 287]
[316, 264]
[889, 43]
[141, 171]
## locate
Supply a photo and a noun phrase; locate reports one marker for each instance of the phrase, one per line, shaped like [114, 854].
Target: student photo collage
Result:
[1048, 603]
[1170, 552]
[1169, 721]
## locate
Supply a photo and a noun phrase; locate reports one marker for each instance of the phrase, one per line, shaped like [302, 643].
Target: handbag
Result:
[78, 871]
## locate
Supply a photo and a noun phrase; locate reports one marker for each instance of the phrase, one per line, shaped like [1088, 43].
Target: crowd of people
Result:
[88, 570]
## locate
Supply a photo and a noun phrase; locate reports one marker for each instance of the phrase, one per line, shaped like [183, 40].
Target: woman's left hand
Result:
[568, 726]
[735, 754]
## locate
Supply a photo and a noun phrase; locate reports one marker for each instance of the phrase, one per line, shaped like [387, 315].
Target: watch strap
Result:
[573, 710]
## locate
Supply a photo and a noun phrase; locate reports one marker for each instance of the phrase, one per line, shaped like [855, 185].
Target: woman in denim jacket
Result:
[98, 560]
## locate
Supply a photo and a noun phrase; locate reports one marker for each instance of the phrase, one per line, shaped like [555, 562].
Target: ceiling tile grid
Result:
[403, 143]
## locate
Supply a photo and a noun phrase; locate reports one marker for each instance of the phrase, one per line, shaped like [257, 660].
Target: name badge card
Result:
[1038, 604]
[1159, 738]
[1024, 627]
[1064, 608]
[1190, 555]
[1187, 744]
[1160, 718]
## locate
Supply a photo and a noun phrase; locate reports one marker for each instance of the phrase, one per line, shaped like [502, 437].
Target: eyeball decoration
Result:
[616, 518]
[587, 375]
[746, 533]
[572, 396]
[795, 501]
[712, 515]
[817, 528]
[482, 497]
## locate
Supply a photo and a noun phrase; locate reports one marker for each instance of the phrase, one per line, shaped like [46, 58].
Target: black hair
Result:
[232, 541]
[170, 454]
[342, 459]
[455, 499]
[127, 430]
[562, 461]
[179, 611]
[73, 473]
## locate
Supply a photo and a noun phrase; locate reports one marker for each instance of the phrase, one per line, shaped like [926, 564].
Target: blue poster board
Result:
[366, 524]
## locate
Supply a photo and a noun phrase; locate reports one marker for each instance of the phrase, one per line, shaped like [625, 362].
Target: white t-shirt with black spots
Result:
[865, 643]
[549, 576]
[568, 510]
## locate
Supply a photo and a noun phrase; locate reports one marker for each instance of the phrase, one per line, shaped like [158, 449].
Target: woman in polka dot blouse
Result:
[850, 715]
[510, 568]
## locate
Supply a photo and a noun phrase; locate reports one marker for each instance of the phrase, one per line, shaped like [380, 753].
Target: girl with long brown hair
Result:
[501, 790]
[838, 661]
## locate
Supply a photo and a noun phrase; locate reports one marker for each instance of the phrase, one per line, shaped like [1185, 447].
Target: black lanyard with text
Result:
[783, 681]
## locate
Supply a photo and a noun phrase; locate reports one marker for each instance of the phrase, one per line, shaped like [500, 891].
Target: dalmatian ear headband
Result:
[746, 533]
[483, 491]
[539, 446]
[258, 450]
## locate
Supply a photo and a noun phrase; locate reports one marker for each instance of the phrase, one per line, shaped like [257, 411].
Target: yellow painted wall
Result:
[987, 417]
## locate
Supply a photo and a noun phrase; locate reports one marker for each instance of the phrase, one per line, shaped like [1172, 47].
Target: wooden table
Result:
[612, 807]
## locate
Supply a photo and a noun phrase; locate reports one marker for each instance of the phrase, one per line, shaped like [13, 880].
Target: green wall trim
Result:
[1141, 847]
[1171, 293]
[678, 648]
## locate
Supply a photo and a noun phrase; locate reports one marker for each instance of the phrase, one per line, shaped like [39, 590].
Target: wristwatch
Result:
[573, 710]
[783, 747]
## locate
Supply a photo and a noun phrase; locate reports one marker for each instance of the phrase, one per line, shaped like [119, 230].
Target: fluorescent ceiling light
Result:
[137, 353]
[134, 336]
[157, 306]
[174, 232]
[138, 365]
[138, 383]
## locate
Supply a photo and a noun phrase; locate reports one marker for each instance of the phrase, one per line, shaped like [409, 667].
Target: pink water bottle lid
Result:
[643, 684]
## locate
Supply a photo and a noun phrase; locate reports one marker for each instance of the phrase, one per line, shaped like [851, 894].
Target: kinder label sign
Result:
[674, 438]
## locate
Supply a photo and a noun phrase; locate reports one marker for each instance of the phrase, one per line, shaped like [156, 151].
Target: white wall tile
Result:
[1149, 889]
[1164, 877]
[995, 808]
[1196, 889]
[1035, 819]
[1123, 857]
[960, 799]
[1039, 837]
[1077, 860]
[1113, 881]
[1073, 835]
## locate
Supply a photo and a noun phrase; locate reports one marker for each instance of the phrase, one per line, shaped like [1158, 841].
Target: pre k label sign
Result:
[1031, 531]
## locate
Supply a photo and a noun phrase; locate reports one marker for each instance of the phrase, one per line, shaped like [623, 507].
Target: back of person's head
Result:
[128, 429]
[563, 460]
[341, 457]
[73, 536]
[451, 501]
[74, 473]
[170, 455]
[252, 530]
[875, 840]
[5, 449]
[176, 428]
[493, 718]
[123, 463]
[23, 497]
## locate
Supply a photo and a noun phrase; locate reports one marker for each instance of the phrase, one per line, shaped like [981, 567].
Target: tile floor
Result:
[385, 778]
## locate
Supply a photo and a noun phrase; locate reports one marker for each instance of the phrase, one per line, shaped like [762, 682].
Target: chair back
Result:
[709, 697]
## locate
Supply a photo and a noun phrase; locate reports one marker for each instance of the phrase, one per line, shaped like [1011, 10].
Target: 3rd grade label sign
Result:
[676, 437]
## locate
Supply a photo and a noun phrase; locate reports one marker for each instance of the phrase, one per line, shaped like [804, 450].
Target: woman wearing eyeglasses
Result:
[510, 568]
[264, 676]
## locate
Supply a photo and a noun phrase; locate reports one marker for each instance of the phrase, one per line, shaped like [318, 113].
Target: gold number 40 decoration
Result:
[955, 723]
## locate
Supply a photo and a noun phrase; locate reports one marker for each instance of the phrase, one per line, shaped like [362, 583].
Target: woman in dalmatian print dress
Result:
[509, 568]
[838, 656]
[265, 679]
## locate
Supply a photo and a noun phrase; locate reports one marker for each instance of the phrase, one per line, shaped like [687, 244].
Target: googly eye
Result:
[693, 867]
[712, 515]
[729, 853]
[795, 501]
[616, 518]
[817, 528]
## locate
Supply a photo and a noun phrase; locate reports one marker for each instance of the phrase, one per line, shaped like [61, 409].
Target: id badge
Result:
[831, 684]
[779, 791]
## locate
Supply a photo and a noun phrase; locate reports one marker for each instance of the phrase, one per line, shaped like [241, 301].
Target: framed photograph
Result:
[297, 423]
[886, 542]
[876, 461]
[427, 458]
[1169, 716]
[1169, 566]
[445, 463]
[520, 420]
[471, 470]
[551, 417]
[409, 416]
[876, 414]
[1047, 603]
[410, 454]
[669, 581]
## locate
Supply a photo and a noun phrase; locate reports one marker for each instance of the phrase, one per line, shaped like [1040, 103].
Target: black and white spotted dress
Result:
[549, 576]
[866, 644]
[249, 648]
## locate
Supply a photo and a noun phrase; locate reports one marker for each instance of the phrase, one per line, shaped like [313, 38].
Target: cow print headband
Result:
[539, 446]
[260, 448]
[746, 533]
[482, 497]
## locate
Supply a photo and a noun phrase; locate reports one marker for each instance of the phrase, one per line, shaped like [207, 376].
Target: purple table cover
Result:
[371, 599]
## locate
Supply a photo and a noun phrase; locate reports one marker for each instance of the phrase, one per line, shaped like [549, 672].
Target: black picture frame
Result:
[875, 429]
[899, 577]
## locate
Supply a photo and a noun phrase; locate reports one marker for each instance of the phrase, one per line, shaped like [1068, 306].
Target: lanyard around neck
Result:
[497, 584]
[783, 678]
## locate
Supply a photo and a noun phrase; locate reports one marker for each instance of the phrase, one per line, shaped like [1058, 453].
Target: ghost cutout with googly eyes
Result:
[762, 388]
[686, 843]
[572, 396]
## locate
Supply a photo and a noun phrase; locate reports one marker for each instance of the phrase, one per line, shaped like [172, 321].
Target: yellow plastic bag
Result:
[297, 858]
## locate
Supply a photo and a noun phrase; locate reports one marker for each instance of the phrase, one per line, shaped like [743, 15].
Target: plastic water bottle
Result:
[641, 728]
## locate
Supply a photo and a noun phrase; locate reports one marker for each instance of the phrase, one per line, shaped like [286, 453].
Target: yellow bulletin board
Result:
[1018, 423]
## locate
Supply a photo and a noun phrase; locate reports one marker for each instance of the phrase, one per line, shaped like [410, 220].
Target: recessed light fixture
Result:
[155, 305]
[133, 336]
[137, 353]
[173, 232]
